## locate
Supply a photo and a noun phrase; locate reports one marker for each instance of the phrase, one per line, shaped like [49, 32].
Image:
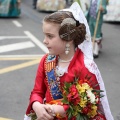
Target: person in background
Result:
[95, 7]
[34, 4]
[10, 8]
[68, 40]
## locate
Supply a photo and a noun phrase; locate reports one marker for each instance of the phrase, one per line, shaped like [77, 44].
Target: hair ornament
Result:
[67, 34]
[70, 21]
[79, 16]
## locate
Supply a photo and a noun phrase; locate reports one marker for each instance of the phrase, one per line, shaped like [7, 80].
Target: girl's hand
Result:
[51, 110]
[101, 8]
[57, 109]
[41, 111]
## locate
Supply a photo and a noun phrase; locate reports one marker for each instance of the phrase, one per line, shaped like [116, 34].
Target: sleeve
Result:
[38, 92]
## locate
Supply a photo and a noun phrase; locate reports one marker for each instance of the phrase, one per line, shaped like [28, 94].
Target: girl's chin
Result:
[51, 53]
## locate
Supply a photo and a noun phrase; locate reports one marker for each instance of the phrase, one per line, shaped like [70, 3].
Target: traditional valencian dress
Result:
[50, 80]
[10, 8]
[48, 85]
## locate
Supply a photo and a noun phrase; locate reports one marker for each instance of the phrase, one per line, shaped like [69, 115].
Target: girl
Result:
[68, 40]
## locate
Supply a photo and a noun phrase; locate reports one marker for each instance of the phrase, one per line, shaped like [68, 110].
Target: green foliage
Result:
[33, 116]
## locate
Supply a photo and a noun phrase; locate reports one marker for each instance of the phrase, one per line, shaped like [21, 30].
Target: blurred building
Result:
[50, 5]
[113, 11]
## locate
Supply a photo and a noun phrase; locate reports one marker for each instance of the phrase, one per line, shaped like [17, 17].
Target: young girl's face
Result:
[53, 42]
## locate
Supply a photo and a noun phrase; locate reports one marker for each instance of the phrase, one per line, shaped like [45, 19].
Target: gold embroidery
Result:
[48, 68]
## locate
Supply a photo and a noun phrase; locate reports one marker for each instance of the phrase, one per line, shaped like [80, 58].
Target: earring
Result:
[67, 48]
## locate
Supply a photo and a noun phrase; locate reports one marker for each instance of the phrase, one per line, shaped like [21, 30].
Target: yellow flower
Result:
[93, 111]
[83, 102]
[82, 88]
[85, 86]
[76, 110]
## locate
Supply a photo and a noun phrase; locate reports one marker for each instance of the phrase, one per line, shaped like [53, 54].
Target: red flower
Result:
[85, 110]
[73, 95]
[73, 118]
[98, 99]
[83, 81]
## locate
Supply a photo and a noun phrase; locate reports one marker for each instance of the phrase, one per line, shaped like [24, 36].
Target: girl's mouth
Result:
[49, 48]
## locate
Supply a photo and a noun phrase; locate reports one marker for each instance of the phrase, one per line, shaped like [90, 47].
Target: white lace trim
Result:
[26, 117]
[60, 71]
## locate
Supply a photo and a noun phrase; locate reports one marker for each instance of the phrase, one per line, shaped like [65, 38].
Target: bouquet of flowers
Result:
[82, 99]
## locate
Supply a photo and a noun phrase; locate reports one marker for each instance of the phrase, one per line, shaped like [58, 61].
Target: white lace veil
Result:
[86, 48]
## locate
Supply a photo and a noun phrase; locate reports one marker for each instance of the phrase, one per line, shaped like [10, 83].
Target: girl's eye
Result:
[50, 36]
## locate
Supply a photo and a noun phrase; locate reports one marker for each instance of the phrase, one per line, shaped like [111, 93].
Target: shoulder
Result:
[43, 58]
[77, 63]
[42, 61]
[80, 60]
[79, 56]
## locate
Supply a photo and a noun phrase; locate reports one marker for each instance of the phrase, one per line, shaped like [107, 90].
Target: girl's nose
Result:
[45, 41]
